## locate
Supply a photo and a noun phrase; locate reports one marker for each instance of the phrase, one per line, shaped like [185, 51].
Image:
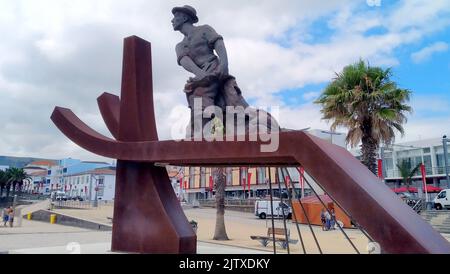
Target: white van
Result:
[263, 210]
[58, 196]
[442, 200]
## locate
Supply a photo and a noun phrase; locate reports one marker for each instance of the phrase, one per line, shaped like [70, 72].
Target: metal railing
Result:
[228, 202]
[419, 205]
[395, 173]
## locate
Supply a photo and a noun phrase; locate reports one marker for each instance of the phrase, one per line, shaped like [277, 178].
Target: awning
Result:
[430, 189]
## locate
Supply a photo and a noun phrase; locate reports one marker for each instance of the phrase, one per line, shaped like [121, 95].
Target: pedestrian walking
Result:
[11, 217]
[322, 218]
[332, 219]
[5, 216]
[327, 220]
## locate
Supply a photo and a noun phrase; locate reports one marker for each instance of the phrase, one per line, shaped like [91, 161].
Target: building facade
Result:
[430, 152]
[196, 183]
[70, 175]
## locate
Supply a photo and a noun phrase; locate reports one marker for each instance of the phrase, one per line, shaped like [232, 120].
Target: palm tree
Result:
[219, 175]
[3, 181]
[364, 100]
[406, 172]
[16, 178]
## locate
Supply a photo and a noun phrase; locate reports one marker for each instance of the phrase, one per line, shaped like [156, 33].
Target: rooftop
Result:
[42, 163]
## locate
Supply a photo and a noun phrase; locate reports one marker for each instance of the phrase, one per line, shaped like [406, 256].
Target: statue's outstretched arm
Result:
[189, 65]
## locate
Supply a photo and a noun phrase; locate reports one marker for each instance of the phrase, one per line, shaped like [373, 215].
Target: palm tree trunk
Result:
[8, 188]
[14, 184]
[368, 153]
[220, 232]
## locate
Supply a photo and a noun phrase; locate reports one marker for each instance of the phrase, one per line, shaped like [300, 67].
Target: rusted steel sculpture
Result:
[147, 215]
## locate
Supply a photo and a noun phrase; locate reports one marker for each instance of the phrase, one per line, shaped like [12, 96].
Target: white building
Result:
[91, 184]
[44, 176]
[430, 152]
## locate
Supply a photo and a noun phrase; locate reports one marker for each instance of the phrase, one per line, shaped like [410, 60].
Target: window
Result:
[49, 172]
[191, 177]
[261, 176]
[388, 163]
[203, 177]
[229, 176]
[442, 195]
[101, 185]
[426, 150]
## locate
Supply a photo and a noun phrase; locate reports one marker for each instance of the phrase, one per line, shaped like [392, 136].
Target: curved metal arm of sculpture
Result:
[109, 105]
[334, 168]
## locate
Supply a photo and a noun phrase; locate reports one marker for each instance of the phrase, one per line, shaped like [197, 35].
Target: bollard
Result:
[29, 216]
[52, 218]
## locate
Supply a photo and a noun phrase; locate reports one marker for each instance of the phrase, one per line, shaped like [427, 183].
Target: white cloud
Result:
[426, 53]
[312, 95]
[67, 53]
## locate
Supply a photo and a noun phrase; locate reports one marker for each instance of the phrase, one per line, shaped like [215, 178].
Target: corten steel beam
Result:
[148, 217]
[393, 224]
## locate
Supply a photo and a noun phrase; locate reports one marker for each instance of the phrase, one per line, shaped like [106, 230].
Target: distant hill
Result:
[18, 162]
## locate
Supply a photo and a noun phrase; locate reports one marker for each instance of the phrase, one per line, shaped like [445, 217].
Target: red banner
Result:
[249, 175]
[301, 171]
[424, 179]
[286, 179]
[211, 182]
[380, 168]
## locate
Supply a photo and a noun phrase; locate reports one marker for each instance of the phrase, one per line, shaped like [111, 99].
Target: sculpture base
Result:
[148, 217]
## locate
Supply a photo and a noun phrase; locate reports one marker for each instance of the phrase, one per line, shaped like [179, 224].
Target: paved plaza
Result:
[40, 237]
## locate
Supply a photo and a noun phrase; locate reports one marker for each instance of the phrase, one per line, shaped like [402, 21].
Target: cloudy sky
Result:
[282, 52]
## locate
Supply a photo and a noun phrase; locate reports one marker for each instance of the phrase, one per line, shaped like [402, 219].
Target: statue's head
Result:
[184, 14]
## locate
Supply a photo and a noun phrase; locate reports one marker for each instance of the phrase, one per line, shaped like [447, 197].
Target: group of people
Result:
[8, 216]
[328, 220]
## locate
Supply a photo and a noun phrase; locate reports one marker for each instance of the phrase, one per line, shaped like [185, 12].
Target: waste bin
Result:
[29, 216]
[52, 218]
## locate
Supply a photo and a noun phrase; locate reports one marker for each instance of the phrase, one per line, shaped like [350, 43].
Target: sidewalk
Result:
[104, 248]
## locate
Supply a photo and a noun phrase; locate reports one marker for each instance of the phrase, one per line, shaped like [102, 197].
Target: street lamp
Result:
[95, 204]
[444, 145]
[331, 134]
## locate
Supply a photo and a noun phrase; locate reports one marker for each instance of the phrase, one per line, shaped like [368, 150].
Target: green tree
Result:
[4, 180]
[371, 106]
[219, 175]
[16, 176]
[406, 172]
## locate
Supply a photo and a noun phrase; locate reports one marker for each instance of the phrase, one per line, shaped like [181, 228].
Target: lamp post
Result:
[444, 145]
[331, 134]
[95, 203]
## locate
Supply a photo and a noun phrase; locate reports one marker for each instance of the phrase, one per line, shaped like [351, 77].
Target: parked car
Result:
[263, 209]
[442, 201]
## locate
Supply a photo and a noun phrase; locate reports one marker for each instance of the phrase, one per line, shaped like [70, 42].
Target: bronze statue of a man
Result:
[197, 54]
[211, 82]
